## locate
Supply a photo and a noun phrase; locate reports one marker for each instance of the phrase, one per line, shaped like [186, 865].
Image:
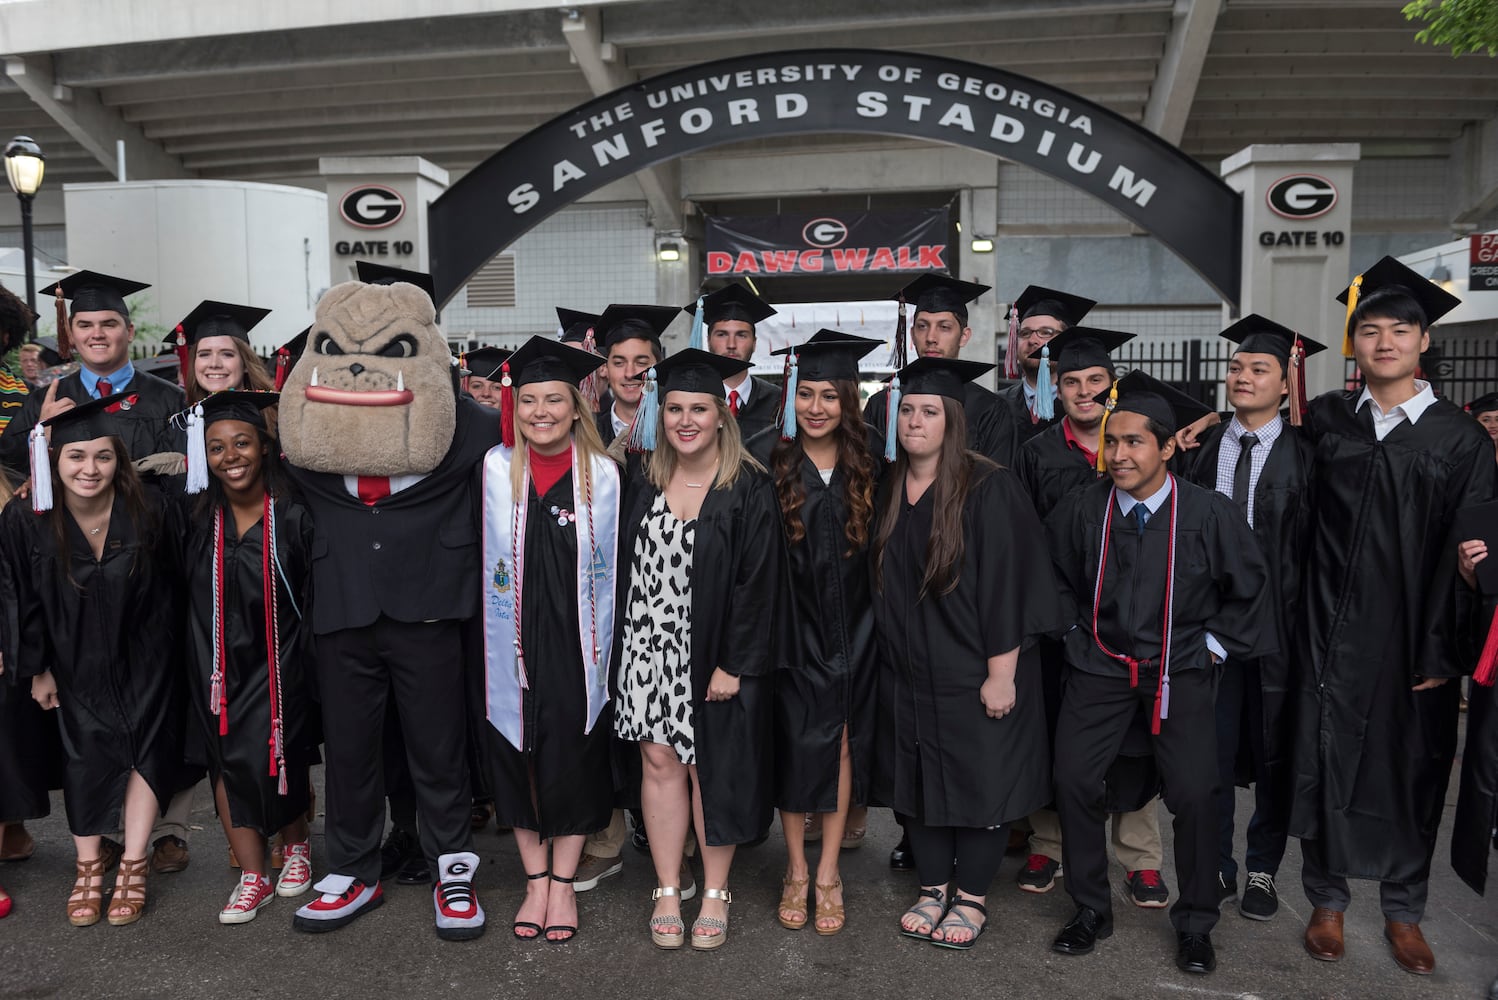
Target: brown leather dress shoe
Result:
[1409, 947]
[1324, 934]
[170, 855]
[17, 844]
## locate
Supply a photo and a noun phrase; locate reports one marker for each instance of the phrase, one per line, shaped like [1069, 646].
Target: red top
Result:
[547, 470]
[1073, 442]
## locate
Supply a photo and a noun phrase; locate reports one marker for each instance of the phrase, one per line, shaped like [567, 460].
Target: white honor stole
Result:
[504, 521]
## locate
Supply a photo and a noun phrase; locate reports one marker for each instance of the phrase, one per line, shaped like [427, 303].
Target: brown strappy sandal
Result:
[129, 892]
[828, 910]
[87, 895]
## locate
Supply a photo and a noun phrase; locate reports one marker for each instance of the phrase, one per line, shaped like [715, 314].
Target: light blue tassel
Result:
[642, 432]
[1045, 406]
[698, 340]
[892, 413]
[788, 404]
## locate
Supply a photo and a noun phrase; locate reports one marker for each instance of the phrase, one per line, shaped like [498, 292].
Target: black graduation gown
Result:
[939, 757]
[1026, 424]
[830, 674]
[761, 410]
[145, 427]
[1050, 468]
[1282, 515]
[242, 757]
[562, 783]
[990, 429]
[1477, 802]
[111, 641]
[738, 585]
[30, 750]
[1383, 603]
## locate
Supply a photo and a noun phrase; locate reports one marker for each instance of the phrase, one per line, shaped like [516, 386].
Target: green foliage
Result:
[1466, 26]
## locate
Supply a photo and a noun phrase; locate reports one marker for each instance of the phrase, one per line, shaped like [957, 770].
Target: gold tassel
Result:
[1354, 292]
[1102, 427]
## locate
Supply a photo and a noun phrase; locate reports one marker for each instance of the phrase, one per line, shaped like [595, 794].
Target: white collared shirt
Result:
[620, 425]
[1411, 409]
[743, 389]
[1152, 503]
[1229, 449]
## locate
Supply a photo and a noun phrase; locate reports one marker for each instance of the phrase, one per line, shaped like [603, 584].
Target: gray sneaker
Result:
[592, 869]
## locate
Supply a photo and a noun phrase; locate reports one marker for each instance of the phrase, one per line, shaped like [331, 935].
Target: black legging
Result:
[975, 854]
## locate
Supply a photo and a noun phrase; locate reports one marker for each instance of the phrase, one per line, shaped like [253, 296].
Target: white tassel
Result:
[197, 451]
[41, 471]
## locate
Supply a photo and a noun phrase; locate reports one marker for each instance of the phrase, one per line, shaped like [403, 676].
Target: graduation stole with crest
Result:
[595, 517]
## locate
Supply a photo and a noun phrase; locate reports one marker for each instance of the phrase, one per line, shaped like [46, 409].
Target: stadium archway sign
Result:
[817, 91]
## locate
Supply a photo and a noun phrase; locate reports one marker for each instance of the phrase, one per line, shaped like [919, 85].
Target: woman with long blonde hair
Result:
[551, 501]
[704, 563]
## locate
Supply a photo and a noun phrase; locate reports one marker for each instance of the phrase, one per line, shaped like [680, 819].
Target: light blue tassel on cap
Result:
[642, 431]
[1045, 406]
[788, 399]
[698, 340]
[892, 413]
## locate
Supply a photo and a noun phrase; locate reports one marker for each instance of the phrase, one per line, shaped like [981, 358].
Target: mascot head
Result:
[372, 395]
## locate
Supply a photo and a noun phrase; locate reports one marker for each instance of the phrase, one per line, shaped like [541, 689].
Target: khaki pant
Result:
[173, 822]
[608, 842]
[1136, 837]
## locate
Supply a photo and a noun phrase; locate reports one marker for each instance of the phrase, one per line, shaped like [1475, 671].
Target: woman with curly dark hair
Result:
[822, 460]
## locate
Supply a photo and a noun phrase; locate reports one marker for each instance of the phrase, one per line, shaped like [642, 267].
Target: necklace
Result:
[95, 531]
[698, 486]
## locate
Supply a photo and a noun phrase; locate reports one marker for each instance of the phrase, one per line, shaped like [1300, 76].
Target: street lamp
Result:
[24, 166]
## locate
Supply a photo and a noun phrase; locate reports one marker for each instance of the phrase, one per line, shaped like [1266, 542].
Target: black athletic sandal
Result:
[935, 898]
[571, 930]
[959, 920]
[520, 925]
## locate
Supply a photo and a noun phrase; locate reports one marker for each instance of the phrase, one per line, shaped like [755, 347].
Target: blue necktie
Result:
[1142, 516]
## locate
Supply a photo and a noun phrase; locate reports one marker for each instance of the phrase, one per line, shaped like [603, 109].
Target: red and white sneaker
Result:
[341, 900]
[459, 915]
[296, 873]
[253, 892]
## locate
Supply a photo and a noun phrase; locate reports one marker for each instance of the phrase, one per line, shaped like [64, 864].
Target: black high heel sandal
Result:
[570, 929]
[520, 925]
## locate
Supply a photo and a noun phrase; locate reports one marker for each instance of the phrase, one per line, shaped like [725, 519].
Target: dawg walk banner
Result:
[840, 242]
[823, 91]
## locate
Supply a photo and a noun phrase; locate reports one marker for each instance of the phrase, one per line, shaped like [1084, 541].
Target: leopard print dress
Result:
[655, 675]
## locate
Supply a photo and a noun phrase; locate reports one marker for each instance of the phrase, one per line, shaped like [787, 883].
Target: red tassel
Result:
[1012, 367]
[506, 407]
[283, 367]
[1297, 376]
[1487, 663]
[64, 339]
[184, 362]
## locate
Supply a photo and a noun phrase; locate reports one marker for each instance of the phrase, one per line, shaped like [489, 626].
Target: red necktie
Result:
[733, 401]
[373, 489]
[105, 388]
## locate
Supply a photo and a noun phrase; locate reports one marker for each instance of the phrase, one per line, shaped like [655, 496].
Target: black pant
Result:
[1240, 711]
[420, 665]
[1095, 715]
[1402, 903]
[973, 855]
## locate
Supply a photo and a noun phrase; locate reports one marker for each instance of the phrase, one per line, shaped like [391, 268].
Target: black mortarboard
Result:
[1483, 404]
[90, 291]
[542, 359]
[49, 356]
[1037, 300]
[1255, 334]
[244, 405]
[383, 274]
[219, 319]
[828, 355]
[1137, 392]
[288, 354]
[1080, 347]
[731, 302]
[691, 370]
[1390, 275]
[163, 365]
[938, 293]
[575, 325]
[485, 362]
[939, 377]
[626, 322]
[89, 420]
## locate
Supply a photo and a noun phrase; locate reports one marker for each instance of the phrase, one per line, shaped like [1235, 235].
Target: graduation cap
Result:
[244, 405]
[628, 322]
[1138, 392]
[288, 354]
[542, 359]
[688, 370]
[213, 319]
[485, 362]
[1256, 335]
[49, 356]
[1483, 404]
[90, 291]
[1037, 300]
[165, 365]
[1395, 279]
[731, 302]
[383, 274]
[825, 356]
[947, 377]
[938, 293]
[1080, 347]
[575, 325]
[88, 421]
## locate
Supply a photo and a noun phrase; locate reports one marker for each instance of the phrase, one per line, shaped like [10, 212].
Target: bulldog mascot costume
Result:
[386, 454]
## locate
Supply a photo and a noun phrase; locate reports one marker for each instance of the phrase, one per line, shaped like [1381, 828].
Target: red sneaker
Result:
[296, 873]
[1147, 889]
[253, 892]
[459, 915]
[342, 900]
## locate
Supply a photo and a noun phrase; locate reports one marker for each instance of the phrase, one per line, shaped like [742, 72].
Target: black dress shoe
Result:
[1194, 953]
[902, 859]
[398, 849]
[415, 871]
[1086, 928]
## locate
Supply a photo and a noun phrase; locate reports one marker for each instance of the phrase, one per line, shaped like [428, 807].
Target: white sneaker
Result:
[592, 869]
[252, 892]
[296, 873]
[459, 915]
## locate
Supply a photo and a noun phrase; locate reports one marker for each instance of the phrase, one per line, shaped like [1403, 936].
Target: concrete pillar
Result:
[1297, 221]
[377, 210]
[978, 208]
